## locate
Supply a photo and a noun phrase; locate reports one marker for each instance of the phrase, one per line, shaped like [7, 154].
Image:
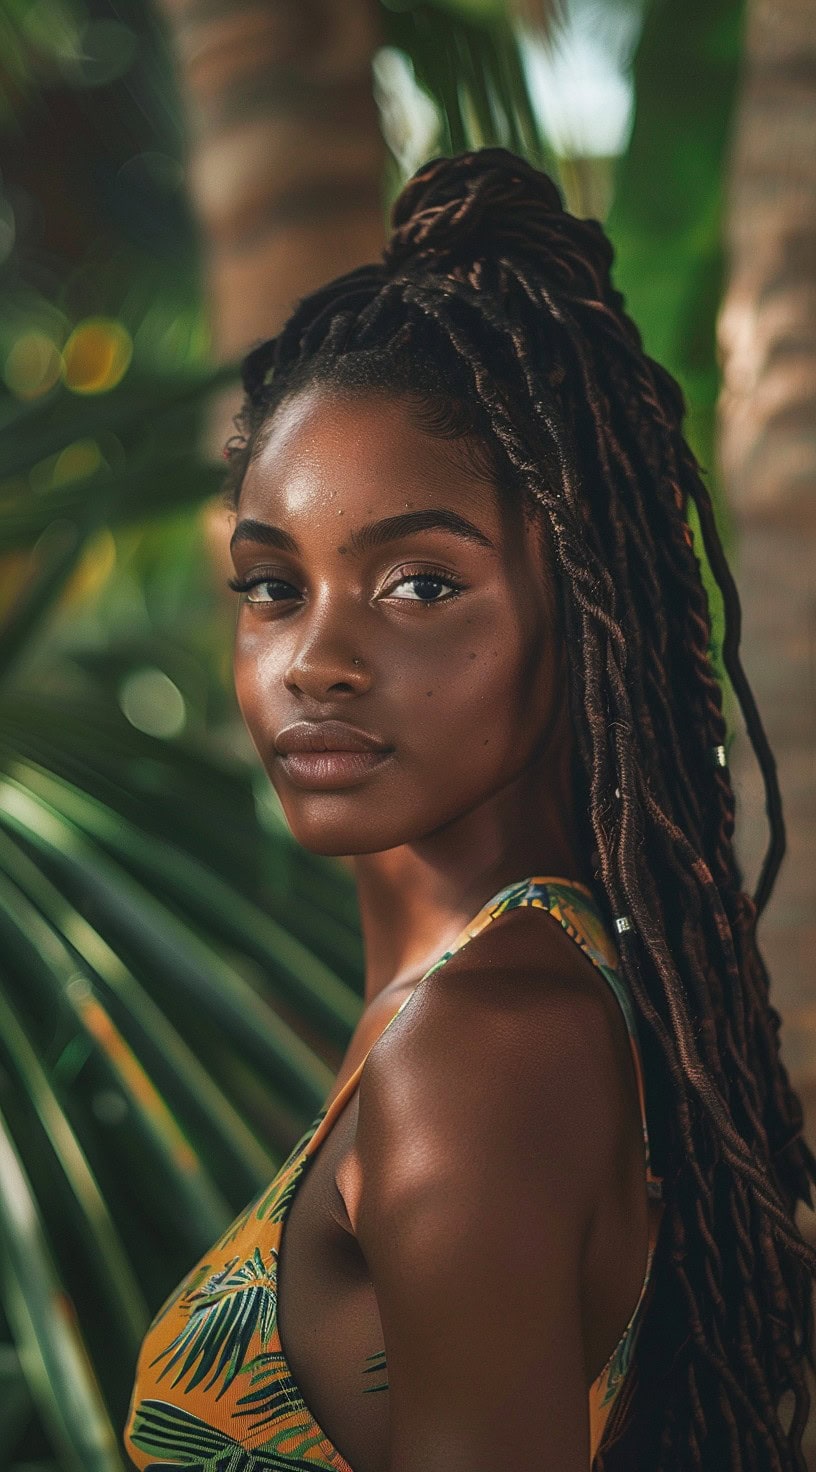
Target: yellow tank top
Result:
[213, 1391]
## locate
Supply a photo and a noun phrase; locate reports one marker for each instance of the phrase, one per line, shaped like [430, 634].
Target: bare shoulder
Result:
[487, 1116]
[516, 1050]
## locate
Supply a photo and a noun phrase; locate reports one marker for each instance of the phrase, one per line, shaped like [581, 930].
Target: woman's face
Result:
[395, 591]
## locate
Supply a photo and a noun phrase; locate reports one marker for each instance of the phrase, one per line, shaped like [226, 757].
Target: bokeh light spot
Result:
[76, 462]
[33, 365]
[95, 567]
[96, 356]
[152, 703]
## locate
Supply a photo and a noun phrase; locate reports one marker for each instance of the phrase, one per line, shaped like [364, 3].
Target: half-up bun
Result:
[491, 205]
[450, 201]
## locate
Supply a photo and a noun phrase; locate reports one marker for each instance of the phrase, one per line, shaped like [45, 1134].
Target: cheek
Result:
[257, 678]
[483, 694]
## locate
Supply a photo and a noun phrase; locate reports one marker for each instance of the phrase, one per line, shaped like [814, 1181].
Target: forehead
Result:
[364, 449]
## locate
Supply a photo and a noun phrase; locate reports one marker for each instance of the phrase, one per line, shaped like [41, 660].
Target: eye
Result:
[421, 585]
[424, 586]
[276, 589]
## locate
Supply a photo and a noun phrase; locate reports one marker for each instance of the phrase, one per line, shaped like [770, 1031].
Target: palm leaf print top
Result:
[213, 1391]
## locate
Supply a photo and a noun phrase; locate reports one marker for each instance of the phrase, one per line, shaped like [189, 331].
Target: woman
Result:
[545, 1219]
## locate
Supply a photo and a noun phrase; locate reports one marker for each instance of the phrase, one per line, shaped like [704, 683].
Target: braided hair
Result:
[493, 310]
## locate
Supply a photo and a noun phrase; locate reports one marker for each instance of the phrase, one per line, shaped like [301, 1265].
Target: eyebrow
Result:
[373, 534]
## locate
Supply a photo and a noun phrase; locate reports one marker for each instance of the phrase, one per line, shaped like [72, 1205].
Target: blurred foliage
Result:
[474, 73]
[178, 978]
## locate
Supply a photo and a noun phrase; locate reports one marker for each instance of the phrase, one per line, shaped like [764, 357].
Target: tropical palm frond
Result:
[472, 67]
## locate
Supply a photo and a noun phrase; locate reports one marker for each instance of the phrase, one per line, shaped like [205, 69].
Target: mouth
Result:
[318, 771]
[326, 755]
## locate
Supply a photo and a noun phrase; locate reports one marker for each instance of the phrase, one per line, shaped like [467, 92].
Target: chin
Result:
[337, 835]
[334, 826]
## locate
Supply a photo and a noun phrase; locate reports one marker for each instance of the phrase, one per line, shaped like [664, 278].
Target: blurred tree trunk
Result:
[767, 337]
[286, 155]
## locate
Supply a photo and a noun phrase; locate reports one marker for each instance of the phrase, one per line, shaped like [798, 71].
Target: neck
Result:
[415, 899]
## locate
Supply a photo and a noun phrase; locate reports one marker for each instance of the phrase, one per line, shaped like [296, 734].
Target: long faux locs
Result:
[491, 295]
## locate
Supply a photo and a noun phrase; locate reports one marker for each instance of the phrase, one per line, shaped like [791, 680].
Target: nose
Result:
[323, 662]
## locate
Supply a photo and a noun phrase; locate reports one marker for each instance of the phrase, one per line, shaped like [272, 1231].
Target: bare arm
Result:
[484, 1142]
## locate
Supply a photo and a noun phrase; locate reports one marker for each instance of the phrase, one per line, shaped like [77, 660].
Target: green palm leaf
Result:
[273, 1394]
[52, 1351]
[182, 1440]
[225, 1313]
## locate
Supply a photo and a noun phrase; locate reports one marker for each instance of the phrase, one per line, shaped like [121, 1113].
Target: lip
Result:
[317, 771]
[326, 736]
[325, 755]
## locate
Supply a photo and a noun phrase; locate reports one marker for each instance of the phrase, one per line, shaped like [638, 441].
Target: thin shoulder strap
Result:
[574, 906]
